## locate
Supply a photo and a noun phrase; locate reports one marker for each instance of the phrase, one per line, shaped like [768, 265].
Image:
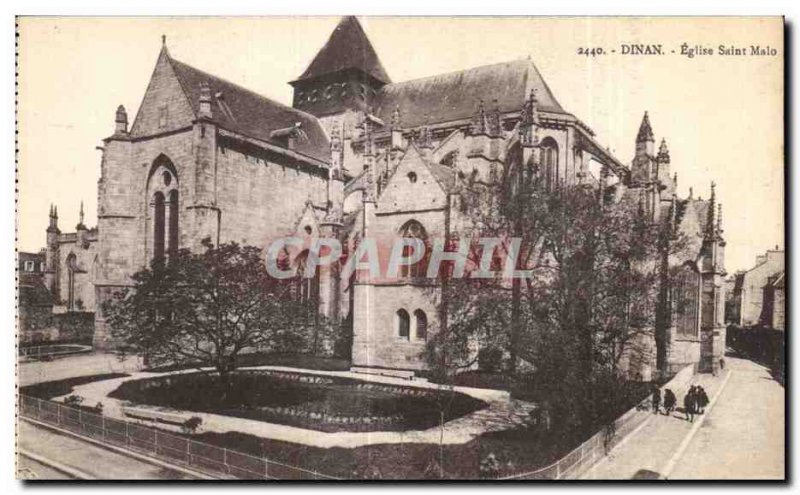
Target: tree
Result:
[589, 307]
[208, 308]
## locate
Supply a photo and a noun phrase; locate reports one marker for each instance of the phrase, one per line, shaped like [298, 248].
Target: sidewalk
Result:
[91, 460]
[649, 449]
[743, 437]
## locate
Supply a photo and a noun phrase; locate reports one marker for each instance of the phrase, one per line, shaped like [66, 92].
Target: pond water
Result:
[310, 401]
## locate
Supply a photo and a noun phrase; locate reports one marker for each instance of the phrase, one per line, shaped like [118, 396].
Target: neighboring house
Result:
[758, 293]
[359, 156]
[35, 304]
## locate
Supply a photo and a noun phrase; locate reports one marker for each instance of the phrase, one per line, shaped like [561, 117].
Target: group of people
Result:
[694, 402]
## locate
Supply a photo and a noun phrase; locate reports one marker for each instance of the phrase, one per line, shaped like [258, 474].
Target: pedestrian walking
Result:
[669, 401]
[689, 404]
[656, 399]
[702, 399]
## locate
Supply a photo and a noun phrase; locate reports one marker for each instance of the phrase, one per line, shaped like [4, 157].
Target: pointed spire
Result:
[645, 131]
[348, 47]
[719, 219]
[710, 224]
[396, 117]
[80, 214]
[663, 152]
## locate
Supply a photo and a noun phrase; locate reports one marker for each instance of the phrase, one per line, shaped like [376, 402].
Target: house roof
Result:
[33, 292]
[455, 95]
[347, 48]
[243, 111]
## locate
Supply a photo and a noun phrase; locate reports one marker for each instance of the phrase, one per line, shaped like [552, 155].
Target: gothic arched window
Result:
[414, 230]
[548, 157]
[306, 288]
[163, 210]
[421, 320]
[403, 323]
[72, 268]
[159, 216]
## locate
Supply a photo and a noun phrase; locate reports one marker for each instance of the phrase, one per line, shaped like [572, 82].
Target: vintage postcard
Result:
[400, 248]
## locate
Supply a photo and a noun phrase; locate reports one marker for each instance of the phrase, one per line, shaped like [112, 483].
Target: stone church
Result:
[358, 155]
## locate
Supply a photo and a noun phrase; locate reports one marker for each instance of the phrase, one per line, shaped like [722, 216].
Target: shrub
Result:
[490, 466]
[490, 359]
[192, 424]
[73, 400]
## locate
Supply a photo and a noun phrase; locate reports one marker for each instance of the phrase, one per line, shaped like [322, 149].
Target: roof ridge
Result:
[449, 73]
[237, 86]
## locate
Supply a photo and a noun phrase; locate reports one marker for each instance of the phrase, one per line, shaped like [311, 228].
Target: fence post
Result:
[103, 425]
[39, 402]
[188, 451]
[127, 435]
[155, 441]
[225, 460]
[58, 415]
[266, 468]
[558, 470]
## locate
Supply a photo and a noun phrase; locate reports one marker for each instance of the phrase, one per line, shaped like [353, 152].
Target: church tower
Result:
[346, 74]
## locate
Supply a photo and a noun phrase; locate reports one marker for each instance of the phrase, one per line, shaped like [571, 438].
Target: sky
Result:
[722, 116]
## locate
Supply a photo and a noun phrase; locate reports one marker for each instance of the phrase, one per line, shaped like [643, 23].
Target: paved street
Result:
[741, 436]
[83, 457]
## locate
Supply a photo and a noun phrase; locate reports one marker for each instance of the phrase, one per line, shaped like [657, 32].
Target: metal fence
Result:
[171, 448]
[578, 461]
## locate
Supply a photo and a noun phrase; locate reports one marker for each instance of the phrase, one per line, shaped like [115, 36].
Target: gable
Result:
[401, 194]
[165, 106]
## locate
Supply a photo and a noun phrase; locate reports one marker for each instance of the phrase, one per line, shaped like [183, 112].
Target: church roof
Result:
[455, 95]
[347, 48]
[243, 111]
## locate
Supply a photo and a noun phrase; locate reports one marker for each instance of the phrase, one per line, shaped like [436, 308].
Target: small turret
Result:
[80, 225]
[663, 152]
[121, 121]
[397, 131]
[204, 112]
[480, 125]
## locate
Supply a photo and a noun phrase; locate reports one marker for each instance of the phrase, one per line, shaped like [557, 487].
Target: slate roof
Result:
[33, 292]
[243, 111]
[347, 48]
[455, 95]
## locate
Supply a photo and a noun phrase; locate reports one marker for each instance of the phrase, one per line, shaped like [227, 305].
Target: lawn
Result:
[297, 399]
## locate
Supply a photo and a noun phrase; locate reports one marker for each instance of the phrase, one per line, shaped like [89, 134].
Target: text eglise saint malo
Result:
[685, 49]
